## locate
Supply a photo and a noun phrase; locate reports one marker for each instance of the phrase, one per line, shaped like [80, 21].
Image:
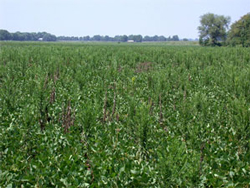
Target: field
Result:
[124, 115]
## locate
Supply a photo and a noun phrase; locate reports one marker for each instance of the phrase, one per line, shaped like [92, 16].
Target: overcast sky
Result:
[114, 17]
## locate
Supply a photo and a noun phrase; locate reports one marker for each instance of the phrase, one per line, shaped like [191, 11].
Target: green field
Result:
[124, 115]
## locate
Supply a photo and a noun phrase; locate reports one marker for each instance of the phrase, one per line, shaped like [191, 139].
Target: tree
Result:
[19, 36]
[86, 38]
[106, 38]
[175, 38]
[161, 38]
[137, 38]
[147, 38]
[117, 38]
[5, 35]
[124, 38]
[239, 33]
[131, 37]
[213, 29]
[49, 37]
[96, 38]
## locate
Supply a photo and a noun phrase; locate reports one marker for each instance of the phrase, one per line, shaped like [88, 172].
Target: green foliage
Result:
[18, 36]
[239, 33]
[98, 115]
[43, 36]
[5, 35]
[213, 29]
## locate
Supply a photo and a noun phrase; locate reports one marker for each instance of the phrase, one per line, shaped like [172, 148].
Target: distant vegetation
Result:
[121, 38]
[43, 36]
[213, 31]
[25, 36]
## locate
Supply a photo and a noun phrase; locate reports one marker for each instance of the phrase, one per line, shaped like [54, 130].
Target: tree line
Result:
[121, 38]
[25, 36]
[214, 31]
[44, 36]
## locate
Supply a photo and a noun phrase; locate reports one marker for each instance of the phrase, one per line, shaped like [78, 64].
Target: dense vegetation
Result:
[240, 32]
[25, 36]
[89, 115]
[213, 31]
[120, 38]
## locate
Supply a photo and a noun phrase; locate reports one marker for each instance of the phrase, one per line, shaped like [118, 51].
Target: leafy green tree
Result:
[146, 38]
[86, 38]
[5, 35]
[131, 37]
[162, 38]
[96, 38]
[106, 38]
[137, 38]
[49, 37]
[239, 33]
[19, 36]
[213, 29]
[175, 38]
[155, 38]
[124, 38]
[117, 38]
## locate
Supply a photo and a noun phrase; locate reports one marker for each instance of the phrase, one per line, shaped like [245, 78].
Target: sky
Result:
[115, 17]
